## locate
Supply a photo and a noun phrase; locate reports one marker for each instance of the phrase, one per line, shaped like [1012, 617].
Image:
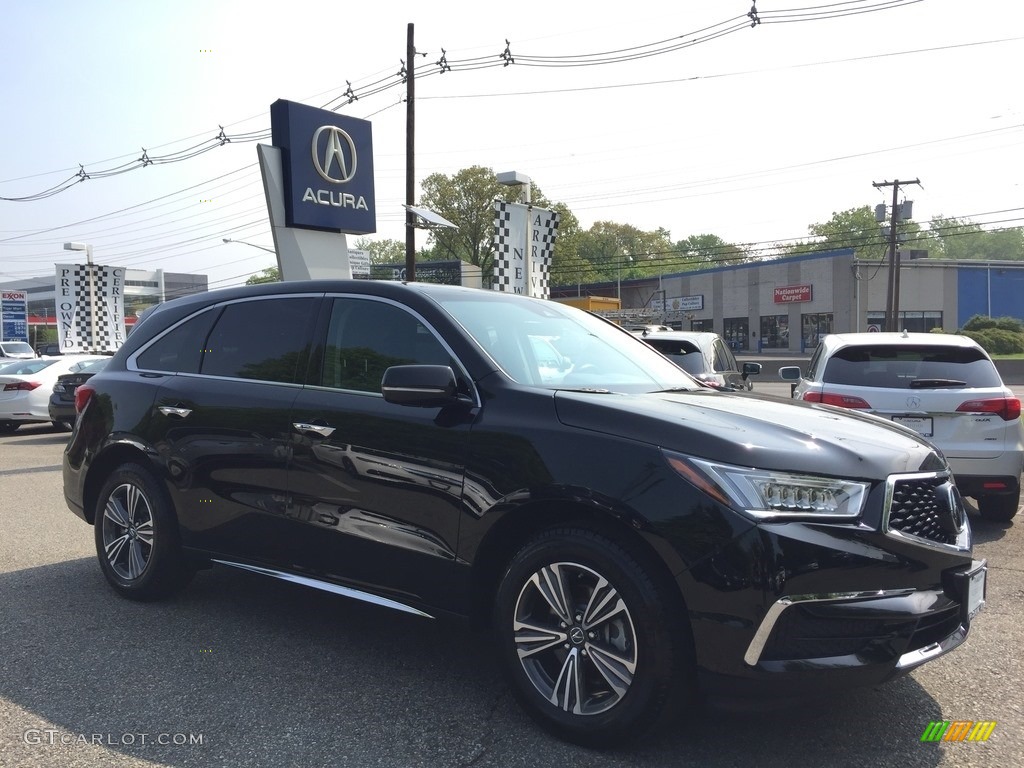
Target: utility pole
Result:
[892, 298]
[410, 156]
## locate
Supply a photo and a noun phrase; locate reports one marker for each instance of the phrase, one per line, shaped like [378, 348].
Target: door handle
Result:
[319, 429]
[170, 410]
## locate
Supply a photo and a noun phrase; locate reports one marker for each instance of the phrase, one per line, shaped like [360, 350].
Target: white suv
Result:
[945, 387]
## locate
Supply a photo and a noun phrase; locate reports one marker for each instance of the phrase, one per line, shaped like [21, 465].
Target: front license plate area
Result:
[922, 424]
[974, 585]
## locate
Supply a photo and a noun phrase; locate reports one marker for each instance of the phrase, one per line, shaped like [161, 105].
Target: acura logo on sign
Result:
[336, 149]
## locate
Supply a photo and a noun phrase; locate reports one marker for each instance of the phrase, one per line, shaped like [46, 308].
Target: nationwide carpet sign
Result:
[792, 294]
[90, 308]
[328, 168]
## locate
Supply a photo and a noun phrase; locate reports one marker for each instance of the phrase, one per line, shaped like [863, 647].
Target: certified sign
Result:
[328, 168]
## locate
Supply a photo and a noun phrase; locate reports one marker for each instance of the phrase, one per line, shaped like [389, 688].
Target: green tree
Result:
[853, 228]
[621, 251]
[702, 251]
[963, 239]
[268, 275]
[387, 251]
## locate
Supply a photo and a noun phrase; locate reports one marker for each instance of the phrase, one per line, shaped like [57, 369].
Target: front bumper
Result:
[802, 608]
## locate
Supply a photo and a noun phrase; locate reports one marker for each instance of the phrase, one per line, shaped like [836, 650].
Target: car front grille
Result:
[928, 507]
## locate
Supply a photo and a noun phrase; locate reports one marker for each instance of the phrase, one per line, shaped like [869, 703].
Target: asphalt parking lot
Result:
[241, 670]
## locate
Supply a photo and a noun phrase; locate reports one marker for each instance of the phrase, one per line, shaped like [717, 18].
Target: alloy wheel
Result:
[128, 531]
[575, 638]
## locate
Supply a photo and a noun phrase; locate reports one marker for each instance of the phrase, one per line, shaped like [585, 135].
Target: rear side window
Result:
[724, 360]
[911, 367]
[180, 349]
[265, 339]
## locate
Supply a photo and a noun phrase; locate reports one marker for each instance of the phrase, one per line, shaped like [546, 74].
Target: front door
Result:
[381, 482]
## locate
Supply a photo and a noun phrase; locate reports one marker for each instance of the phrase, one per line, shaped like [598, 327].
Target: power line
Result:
[506, 58]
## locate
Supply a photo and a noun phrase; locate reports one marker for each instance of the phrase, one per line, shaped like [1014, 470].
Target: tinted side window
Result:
[264, 339]
[812, 367]
[180, 349]
[366, 337]
[724, 360]
[906, 367]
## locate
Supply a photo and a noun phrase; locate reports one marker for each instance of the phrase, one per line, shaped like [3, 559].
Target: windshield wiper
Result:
[936, 383]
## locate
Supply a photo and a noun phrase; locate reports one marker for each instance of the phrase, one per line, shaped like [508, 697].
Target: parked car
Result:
[50, 349]
[15, 350]
[62, 397]
[943, 386]
[25, 387]
[631, 537]
[706, 357]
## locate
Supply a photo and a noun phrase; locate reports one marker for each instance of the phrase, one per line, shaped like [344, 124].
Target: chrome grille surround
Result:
[926, 508]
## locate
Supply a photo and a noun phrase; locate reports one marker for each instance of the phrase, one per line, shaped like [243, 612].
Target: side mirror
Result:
[423, 386]
[790, 373]
[751, 369]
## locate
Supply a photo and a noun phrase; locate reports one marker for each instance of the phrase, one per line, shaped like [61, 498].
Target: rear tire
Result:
[67, 426]
[587, 639]
[999, 509]
[8, 427]
[137, 539]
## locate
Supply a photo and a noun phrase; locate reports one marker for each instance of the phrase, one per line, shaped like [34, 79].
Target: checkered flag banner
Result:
[90, 307]
[517, 270]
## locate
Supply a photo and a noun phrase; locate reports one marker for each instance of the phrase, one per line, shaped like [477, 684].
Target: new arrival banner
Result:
[524, 240]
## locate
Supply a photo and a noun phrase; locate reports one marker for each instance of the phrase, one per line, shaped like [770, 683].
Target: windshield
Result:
[17, 348]
[911, 367]
[546, 344]
[25, 367]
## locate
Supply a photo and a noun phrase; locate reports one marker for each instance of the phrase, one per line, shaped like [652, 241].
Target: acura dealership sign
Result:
[328, 168]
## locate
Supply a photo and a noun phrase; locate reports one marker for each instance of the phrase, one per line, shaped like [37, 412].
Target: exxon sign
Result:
[328, 168]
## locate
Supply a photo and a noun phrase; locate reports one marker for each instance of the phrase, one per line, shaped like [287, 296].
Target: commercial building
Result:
[786, 305]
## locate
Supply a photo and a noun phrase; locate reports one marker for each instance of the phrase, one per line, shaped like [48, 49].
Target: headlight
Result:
[768, 494]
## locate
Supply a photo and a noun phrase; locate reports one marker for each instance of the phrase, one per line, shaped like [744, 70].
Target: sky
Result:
[713, 126]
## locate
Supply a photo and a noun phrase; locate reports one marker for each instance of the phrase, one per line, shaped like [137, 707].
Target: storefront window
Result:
[736, 331]
[702, 325]
[814, 328]
[775, 331]
[914, 322]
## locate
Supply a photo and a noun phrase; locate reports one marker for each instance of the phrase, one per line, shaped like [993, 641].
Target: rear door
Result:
[221, 423]
[938, 391]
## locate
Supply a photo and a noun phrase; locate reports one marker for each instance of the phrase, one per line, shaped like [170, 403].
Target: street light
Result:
[92, 290]
[618, 275]
[262, 248]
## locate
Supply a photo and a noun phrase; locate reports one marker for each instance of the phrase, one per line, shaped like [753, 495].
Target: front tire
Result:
[137, 540]
[999, 509]
[587, 640]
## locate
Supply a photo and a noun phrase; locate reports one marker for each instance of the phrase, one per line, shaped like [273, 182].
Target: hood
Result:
[755, 430]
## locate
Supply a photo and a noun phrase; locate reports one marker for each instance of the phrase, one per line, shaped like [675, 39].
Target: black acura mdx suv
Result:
[629, 536]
